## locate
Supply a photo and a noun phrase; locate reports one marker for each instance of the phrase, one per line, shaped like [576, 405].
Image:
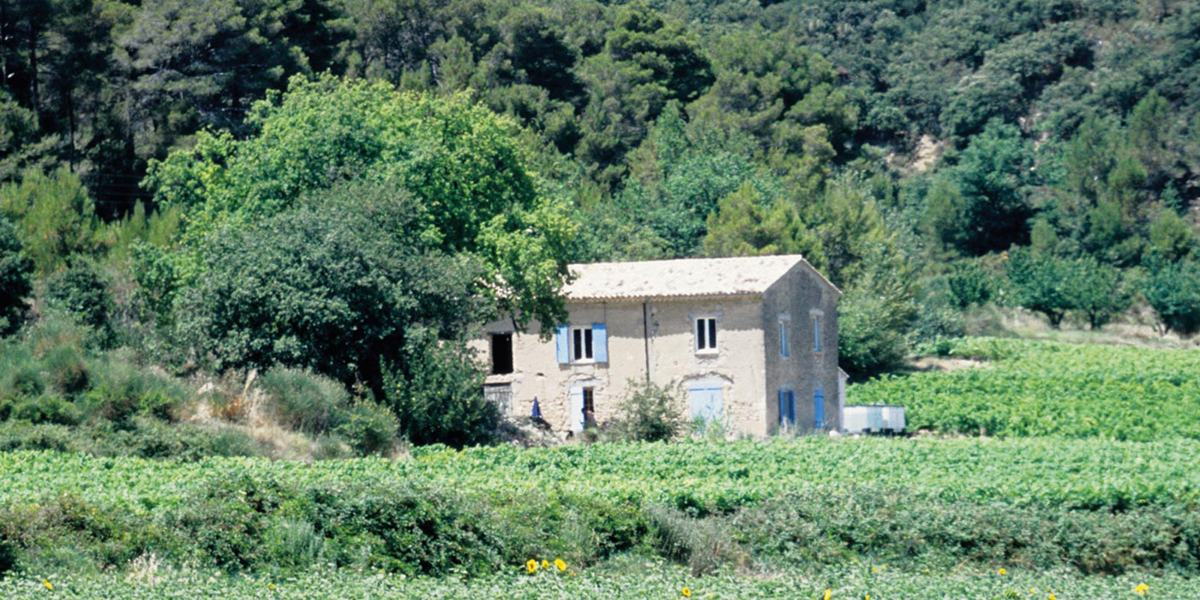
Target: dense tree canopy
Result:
[1043, 153]
[461, 163]
[328, 286]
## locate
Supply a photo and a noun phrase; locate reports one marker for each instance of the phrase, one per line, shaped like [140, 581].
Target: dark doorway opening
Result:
[589, 407]
[502, 354]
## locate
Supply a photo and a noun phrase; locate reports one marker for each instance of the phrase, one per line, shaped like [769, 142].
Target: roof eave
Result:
[663, 298]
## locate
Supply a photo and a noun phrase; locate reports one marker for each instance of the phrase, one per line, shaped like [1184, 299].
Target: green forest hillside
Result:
[241, 237]
[208, 189]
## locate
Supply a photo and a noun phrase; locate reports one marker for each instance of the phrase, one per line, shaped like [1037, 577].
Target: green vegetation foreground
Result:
[624, 580]
[706, 477]
[1028, 388]
[1051, 509]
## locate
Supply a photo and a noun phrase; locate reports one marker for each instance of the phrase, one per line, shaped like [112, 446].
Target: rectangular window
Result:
[816, 333]
[581, 343]
[589, 407]
[784, 350]
[706, 334]
[502, 353]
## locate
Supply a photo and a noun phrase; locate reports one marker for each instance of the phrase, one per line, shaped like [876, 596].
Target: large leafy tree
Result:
[15, 271]
[336, 285]
[982, 205]
[461, 163]
[1173, 291]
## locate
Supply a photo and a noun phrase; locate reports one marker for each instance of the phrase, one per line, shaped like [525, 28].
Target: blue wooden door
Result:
[787, 408]
[819, 409]
[706, 402]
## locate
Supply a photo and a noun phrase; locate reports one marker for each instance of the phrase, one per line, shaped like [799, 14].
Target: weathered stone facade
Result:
[651, 334]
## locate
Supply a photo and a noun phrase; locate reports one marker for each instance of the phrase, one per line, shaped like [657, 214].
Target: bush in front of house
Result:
[435, 390]
[648, 412]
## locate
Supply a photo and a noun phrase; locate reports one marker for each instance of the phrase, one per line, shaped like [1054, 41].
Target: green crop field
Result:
[892, 518]
[1075, 513]
[1028, 388]
[716, 476]
[622, 579]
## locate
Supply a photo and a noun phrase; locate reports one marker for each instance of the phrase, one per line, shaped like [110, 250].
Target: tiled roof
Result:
[689, 277]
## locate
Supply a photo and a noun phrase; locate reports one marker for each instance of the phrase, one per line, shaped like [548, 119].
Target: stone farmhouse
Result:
[750, 342]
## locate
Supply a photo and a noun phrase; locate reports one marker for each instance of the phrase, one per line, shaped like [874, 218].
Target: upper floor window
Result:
[706, 334]
[816, 320]
[784, 348]
[581, 343]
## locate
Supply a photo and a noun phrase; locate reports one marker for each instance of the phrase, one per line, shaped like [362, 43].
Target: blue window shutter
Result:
[791, 406]
[782, 407]
[600, 342]
[560, 344]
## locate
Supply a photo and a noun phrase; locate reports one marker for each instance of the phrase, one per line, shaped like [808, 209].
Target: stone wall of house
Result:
[669, 342]
[795, 299]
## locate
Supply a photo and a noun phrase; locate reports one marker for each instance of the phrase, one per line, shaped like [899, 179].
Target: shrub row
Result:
[242, 522]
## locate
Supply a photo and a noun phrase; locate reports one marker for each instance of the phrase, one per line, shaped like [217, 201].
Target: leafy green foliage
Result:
[55, 218]
[986, 209]
[1097, 290]
[745, 224]
[82, 292]
[435, 390]
[647, 62]
[1173, 290]
[649, 413]
[871, 331]
[305, 401]
[1040, 283]
[471, 191]
[328, 286]
[245, 50]
[15, 270]
[969, 284]
[642, 577]
[1049, 389]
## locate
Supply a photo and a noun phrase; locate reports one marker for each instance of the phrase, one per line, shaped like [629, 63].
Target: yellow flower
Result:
[686, 592]
[545, 564]
[49, 586]
[531, 566]
[1002, 571]
[1051, 597]
[562, 566]
[1141, 589]
[828, 594]
[874, 569]
[270, 586]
